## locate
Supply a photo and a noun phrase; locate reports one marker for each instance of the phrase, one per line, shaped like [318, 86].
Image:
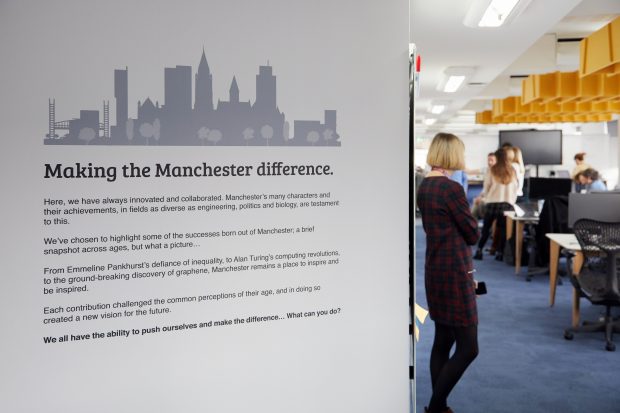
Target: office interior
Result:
[523, 75]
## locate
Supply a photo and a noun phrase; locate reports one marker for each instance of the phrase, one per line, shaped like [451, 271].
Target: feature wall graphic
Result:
[178, 122]
[205, 206]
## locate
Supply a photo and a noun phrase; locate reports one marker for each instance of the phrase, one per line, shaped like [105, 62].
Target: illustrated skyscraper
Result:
[121, 95]
[178, 90]
[265, 89]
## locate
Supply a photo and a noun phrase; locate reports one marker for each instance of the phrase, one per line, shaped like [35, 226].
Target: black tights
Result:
[445, 370]
[495, 214]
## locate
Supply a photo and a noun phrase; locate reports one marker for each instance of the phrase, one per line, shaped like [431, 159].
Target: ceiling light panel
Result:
[496, 14]
[493, 13]
[453, 78]
[453, 84]
[437, 109]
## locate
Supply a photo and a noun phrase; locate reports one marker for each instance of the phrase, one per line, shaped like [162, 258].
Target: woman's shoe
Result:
[478, 254]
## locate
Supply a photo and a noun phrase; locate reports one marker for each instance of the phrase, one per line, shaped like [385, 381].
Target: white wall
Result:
[601, 153]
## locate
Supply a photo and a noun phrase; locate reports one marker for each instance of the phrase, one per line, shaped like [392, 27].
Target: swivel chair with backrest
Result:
[600, 276]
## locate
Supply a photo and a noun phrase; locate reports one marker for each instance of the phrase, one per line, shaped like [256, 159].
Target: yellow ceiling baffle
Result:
[600, 52]
[591, 94]
[567, 85]
[611, 87]
[590, 87]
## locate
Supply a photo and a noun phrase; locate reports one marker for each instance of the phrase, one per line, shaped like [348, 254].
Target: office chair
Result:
[598, 280]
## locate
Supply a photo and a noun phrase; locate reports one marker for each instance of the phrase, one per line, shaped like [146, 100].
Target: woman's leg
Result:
[489, 217]
[501, 228]
[466, 351]
[494, 239]
[440, 353]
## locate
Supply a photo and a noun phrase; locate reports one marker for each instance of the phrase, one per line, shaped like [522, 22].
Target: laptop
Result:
[528, 209]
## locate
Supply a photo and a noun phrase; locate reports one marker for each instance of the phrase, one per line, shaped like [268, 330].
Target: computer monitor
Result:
[599, 206]
[541, 188]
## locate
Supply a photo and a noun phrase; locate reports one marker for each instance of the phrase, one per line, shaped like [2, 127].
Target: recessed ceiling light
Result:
[453, 84]
[496, 14]
[430, 121]
[453, 78]
[493, 13]
[437, 109]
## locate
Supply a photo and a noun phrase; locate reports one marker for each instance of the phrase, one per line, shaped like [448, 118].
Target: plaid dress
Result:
[450, 229]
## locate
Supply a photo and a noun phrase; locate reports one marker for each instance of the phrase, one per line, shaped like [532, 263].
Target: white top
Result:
[493, 191]
[520, 178]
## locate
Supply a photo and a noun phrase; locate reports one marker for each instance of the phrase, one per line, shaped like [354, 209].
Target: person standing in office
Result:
[500, 193]
[590, 181]
[448, 271]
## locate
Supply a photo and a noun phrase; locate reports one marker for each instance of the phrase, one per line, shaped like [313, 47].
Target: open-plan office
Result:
[545, 81]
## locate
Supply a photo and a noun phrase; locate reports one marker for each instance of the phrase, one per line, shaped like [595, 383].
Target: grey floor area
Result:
[524, 365]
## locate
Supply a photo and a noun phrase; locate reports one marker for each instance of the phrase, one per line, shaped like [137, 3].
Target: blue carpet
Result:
[524, 365]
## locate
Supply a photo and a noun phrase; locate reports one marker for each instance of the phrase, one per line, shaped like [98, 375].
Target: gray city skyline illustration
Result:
[178, 123]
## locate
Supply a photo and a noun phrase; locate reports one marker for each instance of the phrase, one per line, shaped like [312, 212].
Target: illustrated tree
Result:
[203, 134]
[146, 130]
[156, 129]
[328, 135]
[267, 133]
[214, 136]
[87, 135]
[313, 137]
[248, 134]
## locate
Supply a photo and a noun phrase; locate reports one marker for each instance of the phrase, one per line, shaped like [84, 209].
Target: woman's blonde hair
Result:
[518, 158]
[502, 171]
[447, 151]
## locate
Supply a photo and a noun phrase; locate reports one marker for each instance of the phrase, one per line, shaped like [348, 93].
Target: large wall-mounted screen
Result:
[539, 147]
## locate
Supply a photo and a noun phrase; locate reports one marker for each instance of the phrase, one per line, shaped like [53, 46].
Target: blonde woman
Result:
[448, 272]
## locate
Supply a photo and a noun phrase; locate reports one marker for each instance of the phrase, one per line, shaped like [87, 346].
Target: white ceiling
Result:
[527, 45]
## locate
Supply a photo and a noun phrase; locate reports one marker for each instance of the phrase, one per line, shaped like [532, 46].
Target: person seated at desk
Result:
[590, 181]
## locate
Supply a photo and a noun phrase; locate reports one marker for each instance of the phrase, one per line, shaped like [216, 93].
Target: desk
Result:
[569, 242]
[519, 228]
